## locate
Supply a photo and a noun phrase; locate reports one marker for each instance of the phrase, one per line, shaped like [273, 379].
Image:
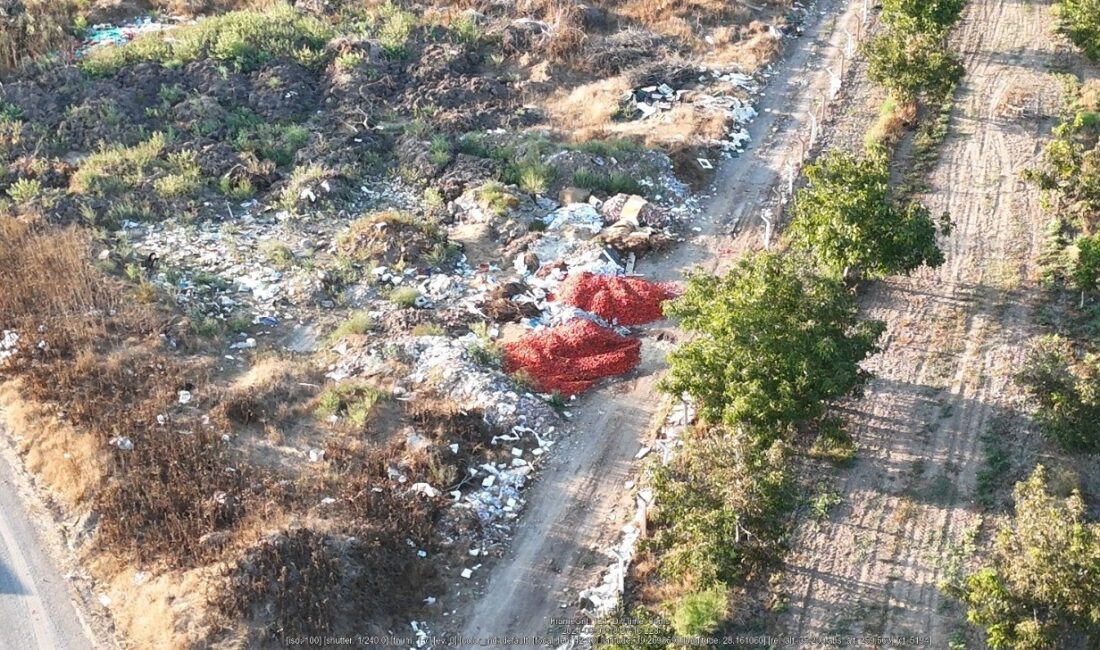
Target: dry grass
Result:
[272, 392]
[587, 112]
[893, 121]
[34, 29]
[97, 364]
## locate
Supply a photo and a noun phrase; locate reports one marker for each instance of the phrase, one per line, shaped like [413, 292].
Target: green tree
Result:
[1042, 586]
[847, 219]
[1081, 21]
[928, 16]
[908, 64]
[1067, 391]
[774, 343]
[1085, 265]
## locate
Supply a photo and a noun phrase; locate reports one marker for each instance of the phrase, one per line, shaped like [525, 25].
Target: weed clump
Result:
[245, 39]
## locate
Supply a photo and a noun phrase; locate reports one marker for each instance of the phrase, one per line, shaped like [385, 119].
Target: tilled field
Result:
[955, 338]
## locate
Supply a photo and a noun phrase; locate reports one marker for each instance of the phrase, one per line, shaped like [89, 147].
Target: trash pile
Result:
[649, 101]
[617, 299]
[256, 261]
[443, 366]
[571, 358]
[101, 35]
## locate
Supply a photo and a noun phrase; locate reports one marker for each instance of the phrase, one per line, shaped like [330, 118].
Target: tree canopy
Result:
[773, 343]
[930, 16]
[846, 218]
[1066, 390]
[1042, 587]
[1085, 264]
[910, 63]
[1081, 22]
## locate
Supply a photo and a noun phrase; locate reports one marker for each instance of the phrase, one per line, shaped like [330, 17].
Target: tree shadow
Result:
[9, 584]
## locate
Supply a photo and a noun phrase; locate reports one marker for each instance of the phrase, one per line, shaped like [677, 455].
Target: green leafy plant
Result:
[927, 16]
[1066, 388]
[909, 64]
[404, 297]
[24, 190]
[1080, 20]
[496, 198]
[847, 218]
[245, 39]
[1041, 587]
[777, 342]
[1084, 265]
[700, 612]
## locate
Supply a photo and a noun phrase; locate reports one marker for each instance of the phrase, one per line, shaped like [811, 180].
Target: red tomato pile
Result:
[572, 357]
[630, 301]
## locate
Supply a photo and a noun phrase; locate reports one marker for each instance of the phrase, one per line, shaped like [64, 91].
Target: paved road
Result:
[36, 607]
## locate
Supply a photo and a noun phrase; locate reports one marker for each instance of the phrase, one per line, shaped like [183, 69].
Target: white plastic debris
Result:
[185, 397]
[123, 443]
[425, 489]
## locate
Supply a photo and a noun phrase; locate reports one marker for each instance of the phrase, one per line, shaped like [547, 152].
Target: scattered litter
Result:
[466, 573]
[8, 345]
[425, 489]
[185, 397]
[123, 443]
[101, 35]
[704, 163]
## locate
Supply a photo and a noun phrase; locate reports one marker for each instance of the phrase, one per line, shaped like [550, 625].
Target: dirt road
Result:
[955, 337]
[578, 504]
[36, 607]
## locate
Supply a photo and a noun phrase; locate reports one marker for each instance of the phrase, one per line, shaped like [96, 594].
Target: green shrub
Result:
[238, 189]
[496, 198]
[847, 219]
[353, 400]
[607, 183]
[1066, 388]
[531, 175]
[359, 322]
[25, 190]
[115, 168]
[182, 177]
[439, 151]
[909, 64]
[1041, 587]
[404, 297]
[305, 177]
[393, 26]
[278, 144]
[929, 17]
[245, 39]
[720, 487]
[466, 31]
[1080, 20]
[701, 612]
[776, 343]
[278, 254]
